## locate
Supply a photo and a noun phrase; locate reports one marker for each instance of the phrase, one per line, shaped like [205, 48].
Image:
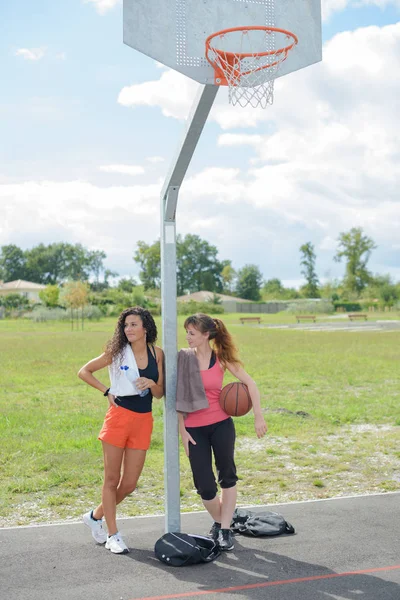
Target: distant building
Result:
[26, 288]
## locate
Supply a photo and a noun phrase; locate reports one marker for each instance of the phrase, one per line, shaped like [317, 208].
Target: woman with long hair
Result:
[136, 375]
[205, 428]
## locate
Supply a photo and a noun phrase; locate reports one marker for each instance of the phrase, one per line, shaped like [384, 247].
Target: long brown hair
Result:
[115, 346]
[221, 339]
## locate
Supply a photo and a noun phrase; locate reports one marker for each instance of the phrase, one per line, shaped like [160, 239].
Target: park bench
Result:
[357, 316]
[243, 319]
[299, 317]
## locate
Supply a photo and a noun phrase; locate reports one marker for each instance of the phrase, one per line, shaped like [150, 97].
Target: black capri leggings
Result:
[220, 438]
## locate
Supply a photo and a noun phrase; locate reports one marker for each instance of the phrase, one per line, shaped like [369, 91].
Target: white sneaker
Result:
[96, 527]
[116, 544]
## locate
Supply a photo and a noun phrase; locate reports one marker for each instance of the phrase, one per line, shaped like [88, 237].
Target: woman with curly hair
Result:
[136, 374]
[205, 428]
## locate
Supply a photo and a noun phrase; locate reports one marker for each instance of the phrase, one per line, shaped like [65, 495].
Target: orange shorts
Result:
[127, 429]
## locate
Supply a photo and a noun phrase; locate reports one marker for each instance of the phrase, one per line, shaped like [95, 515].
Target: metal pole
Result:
[169, 199]
[169, 320]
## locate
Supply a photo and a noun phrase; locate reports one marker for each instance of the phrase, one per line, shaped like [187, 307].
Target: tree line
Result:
[52, 264]
[199, 268]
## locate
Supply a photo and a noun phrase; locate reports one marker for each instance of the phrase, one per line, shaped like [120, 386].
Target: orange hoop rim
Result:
[240, 55]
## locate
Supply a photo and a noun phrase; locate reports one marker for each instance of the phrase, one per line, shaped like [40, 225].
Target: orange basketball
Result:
[235, 399]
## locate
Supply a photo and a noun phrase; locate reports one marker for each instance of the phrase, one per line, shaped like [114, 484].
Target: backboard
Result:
[173, 32]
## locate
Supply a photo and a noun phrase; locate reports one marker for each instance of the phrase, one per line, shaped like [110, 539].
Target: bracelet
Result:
[107, 392]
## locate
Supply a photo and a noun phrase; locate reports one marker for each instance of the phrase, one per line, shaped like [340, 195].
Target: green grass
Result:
[330, 399]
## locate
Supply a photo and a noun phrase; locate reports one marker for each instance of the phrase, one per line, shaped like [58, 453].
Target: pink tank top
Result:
[212, 381]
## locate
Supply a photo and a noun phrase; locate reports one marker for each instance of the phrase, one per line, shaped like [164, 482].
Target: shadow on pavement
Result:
[266, 574]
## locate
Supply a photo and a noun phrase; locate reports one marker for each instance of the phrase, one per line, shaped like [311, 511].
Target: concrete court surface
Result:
[343, 549]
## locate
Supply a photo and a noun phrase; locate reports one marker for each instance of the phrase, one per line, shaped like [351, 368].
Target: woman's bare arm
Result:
[259, 421]
[96, 364]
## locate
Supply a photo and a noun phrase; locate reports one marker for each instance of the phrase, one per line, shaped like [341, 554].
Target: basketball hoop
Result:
[250, 71]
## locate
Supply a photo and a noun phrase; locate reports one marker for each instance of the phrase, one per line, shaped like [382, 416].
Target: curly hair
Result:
[223, 343]
[119, 340]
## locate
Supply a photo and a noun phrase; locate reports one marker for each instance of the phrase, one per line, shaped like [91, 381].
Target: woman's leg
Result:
[112, 474]
[132, 468]
[200, 457]
[228, 505]
[223, 445]
[214, 508]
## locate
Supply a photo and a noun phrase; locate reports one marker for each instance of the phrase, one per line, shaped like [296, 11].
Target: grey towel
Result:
[190, 394]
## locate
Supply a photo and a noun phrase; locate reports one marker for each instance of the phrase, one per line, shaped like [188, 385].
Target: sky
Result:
[89, 128]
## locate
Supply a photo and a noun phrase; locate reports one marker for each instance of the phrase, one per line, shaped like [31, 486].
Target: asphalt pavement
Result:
[343, 549]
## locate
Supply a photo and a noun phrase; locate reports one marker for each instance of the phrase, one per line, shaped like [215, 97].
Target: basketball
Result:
[235, 399]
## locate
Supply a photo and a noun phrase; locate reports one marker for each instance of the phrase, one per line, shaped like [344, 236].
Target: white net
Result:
[250, 70]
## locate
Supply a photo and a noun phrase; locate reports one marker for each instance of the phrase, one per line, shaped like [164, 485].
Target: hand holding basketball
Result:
[235, 399]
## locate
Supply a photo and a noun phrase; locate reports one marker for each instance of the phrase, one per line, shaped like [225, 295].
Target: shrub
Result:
[347, 306]
[43, 314]
[309, 307]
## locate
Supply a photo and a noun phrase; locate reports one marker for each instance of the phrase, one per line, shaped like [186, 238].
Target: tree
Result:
[77, 265]
[127, 285]
[198, 267]
[14, 301]
[95, 260]
[50, 295]
[228, 275]
[249, 282]
[45, 264]
[356, 248]
[273, 289]
[12, 263]
[149, 259]
[107, 274]
[61, 261]
[381, 287]
[310, 290]
[74, 295]
[331, 289]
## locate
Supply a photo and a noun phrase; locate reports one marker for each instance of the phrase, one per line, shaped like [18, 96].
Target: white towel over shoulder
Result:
[123, 374]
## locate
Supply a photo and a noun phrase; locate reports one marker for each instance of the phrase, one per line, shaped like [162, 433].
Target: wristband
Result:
[106, 392]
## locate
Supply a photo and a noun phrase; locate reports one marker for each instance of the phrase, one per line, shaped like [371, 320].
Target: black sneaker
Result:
[225, 539]
[214, 531]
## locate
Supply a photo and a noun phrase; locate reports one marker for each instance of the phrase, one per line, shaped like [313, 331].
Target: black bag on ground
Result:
[258, 525]
[181, 549]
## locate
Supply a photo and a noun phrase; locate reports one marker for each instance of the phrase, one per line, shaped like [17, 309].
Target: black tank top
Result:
[142, 404]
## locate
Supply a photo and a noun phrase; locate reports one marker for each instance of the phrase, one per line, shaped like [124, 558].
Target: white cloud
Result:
[123, 169]
[224, 186]
[155, 159]
[324, 159]
[103, 6]
[331, 6]
[173, 92]
[328, 243]
[31, 53]
[61, 56]
[241, 139]
[112, 218]
[327, 160]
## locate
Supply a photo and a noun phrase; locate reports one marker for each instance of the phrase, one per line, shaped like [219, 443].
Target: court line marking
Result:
[252, 586]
